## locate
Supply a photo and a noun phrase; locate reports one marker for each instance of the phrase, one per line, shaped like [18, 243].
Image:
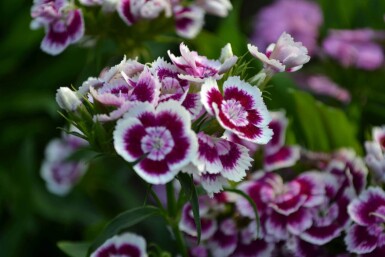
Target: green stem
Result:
[173, 220]
[171, 200]
[181, 245]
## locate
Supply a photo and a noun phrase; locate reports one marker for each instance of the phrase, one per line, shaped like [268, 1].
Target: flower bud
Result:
[67, 99]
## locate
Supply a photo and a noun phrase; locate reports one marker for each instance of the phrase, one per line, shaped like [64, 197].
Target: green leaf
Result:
[252, 203]
[185, 183]
[310, 122]
[324, 128]
[195, 208]
[123, 221]
[74, 249]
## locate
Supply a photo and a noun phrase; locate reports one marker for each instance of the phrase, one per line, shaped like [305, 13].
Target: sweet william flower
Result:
[216, 7]
[276, 154]
[367, 235]
[133, 10]
[124, 245]
[240, 109]
[63, 24]
[285, 55]
[375, 153]
[59, 173]
[197, 68]
[189, 20]
[160, 140]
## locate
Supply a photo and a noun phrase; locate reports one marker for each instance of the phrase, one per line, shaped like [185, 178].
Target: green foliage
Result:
[74, 249]
[122, 222]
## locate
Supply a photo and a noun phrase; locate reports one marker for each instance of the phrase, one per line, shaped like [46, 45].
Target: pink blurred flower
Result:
[299, 18]
[355, 48]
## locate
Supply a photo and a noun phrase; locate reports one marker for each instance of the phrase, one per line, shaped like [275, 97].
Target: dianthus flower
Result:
[124, 245]
[63, 24]
[218, 160]
[276, 154]
[285, 55]
[367, 235]
[159, 140]
[375, 153]
[197, 68]
[240, 109]
[59, 173]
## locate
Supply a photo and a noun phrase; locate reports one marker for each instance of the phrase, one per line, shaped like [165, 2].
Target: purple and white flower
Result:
[124, 245]
[240, 109]
[133, 10]
[217, 155]
[285, 55]
[189, 20]
[173, 87]
[63, 24]
[59, 173]
[368, 213]
[276, 154]
[208, 224]
[330, 218]
[160, 140]
[216, 7]
[197, 68]
[375, 153]
[225, 240]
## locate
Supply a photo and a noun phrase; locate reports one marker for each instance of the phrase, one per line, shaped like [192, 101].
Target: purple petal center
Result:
[157, 143]
[235, 112]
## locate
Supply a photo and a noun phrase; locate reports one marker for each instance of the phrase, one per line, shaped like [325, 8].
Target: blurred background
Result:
[32, 220]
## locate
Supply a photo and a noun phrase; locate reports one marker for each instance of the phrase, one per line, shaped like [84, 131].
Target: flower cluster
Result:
[165, 114]
[298, 217]
[64, 24]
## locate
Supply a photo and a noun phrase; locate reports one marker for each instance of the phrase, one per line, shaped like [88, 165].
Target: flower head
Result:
[160, 140]
[285, 55]
[197, 68]
[368, 213]
[240, 109]
[124, 245]
[63, 24]
[59, 173]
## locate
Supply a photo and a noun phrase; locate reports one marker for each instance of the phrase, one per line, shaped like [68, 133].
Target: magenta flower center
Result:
[235, 112]
[157, 143]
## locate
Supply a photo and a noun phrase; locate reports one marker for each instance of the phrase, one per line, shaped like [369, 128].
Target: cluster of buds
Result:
[64, 23]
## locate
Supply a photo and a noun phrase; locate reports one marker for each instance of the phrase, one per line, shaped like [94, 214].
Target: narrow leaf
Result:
[74, 249]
